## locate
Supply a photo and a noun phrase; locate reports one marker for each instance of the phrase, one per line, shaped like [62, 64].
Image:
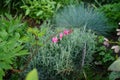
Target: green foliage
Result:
[79, 16]
[65, 56]
[103, 56]
[11, 6]
[112, 12]
[114, 75]
[115, 66]
[39, 9]
[33, 35]
[95, 74]
[32, 75]
[10, 44]
[67, 2]
[101, 2]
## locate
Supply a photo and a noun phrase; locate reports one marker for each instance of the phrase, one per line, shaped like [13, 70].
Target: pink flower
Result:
[54, 39]
[66, 32]
[61, 36]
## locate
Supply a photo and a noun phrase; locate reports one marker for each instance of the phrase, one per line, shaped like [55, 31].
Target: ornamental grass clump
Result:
[79, 16]
[65, 52]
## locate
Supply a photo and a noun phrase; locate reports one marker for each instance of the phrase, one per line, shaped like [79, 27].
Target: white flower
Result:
[117, 29]
[106, 42]
[116, 48]
[119, 23]
[118, 33]
[106, 39]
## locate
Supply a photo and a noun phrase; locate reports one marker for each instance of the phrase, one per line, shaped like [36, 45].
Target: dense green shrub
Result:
[39, 9]
[65, 57]
[78, 16]
[10, 45]
[67, 2]
[99, 3]
[112, 12]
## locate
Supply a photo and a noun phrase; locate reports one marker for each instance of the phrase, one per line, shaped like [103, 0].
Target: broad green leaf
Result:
[33, 75]
[115, 66]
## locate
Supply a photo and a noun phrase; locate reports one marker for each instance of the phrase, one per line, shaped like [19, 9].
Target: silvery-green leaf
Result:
[115, 66]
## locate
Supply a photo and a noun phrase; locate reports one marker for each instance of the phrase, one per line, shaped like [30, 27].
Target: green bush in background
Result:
[112, 12]
[39, 9]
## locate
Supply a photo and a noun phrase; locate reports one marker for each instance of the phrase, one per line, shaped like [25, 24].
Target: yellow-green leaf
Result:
[32, 75]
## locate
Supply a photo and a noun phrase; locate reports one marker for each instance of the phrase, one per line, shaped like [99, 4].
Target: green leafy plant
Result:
[64, 57]
[103, 56]
[39, 9]
[67, 2]
[114, 67]
[112, 12]
[79, 16]
[10, 44]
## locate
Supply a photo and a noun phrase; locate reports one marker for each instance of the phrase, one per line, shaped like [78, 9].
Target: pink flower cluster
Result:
[64, 33]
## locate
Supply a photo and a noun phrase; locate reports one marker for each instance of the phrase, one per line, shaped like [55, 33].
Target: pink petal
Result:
[61, 35]
[54, 39]
[66, 32]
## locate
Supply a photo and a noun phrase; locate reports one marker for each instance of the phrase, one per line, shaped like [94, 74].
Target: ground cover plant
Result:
[63, 53]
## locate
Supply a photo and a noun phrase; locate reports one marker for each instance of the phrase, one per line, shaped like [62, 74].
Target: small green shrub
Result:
[112, 12]
[60, 59]
[10, 45]
[79, 16]
[39, 9]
